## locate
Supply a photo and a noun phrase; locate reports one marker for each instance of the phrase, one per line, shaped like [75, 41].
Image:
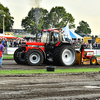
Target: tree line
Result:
[40, 18]
[8, 18]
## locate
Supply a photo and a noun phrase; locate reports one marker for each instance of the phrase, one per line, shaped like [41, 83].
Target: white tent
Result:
[75, 34]
[70, 34]
[66, 31]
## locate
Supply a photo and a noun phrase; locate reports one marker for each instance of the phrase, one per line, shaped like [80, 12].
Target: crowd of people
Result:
[76, 45]
[13, 42]
[10, 42]
[17, 42]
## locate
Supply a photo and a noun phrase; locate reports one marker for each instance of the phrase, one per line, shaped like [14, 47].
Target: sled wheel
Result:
[34, 57]
[93, 61]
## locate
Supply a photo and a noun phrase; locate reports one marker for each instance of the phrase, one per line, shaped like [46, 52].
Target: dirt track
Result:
[11, 65]
[83, 86]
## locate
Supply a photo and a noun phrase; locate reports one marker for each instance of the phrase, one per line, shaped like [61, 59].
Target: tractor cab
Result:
[51, 36]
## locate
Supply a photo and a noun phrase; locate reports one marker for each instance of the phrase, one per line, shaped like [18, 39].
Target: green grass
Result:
[7, 56]
[43, 71]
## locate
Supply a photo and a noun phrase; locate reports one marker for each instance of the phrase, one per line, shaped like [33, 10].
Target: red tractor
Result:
[52, 48]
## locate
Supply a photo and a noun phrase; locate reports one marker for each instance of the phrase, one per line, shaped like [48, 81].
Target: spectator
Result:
[15, 44]
[5, 43]
[94, 45]
[87, 45]
[79, 44]
[2, 48]
[97, 45]
[11, 43]
[76, 45]
[8, 43]
[90, 45]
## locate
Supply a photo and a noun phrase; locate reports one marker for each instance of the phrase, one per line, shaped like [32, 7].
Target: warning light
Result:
[49, 30]
[44, 30]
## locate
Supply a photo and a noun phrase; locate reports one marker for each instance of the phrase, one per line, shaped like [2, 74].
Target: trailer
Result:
[91, 56]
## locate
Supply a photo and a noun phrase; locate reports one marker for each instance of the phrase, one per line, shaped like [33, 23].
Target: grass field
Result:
[43, 71]
[7, 56]
[80, 70]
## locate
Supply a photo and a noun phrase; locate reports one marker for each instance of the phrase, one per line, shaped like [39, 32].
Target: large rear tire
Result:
[65, 55]
[19, 56]
[34, 57]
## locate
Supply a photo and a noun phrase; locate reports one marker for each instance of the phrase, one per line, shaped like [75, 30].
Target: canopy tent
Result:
[70, 34]
[75, 34]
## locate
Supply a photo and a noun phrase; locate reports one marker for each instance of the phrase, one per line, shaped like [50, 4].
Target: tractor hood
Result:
[35, 43]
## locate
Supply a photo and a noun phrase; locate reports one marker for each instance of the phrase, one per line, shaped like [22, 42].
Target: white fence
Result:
[10, 50]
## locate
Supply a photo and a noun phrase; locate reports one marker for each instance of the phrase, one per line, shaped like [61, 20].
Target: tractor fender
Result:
[60, 43]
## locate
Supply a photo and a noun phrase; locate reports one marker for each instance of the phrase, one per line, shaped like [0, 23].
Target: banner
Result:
[8, 33]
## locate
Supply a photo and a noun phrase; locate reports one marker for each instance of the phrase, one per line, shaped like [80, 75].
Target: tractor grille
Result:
[23, 48]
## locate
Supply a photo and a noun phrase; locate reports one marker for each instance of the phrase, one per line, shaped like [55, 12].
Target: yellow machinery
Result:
[87, 39]
[78, 59]
[98, 40]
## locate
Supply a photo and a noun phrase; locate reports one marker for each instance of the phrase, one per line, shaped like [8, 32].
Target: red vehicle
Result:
[90, 55]
[51, 49]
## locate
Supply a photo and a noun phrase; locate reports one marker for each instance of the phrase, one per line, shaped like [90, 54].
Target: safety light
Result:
[49, 30]
[44, 30]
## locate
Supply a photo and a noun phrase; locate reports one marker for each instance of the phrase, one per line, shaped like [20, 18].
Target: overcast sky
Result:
[87, 10]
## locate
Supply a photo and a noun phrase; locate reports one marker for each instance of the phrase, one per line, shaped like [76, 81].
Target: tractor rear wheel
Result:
[19, 56]
[34, 57]
[93, 60]
[65, 55]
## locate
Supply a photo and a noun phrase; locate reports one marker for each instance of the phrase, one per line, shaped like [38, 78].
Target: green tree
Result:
[39, 18]
[83, 28]
[8, 18]
[92, 36]
[36, 20]
[96, 36]
[58, 17]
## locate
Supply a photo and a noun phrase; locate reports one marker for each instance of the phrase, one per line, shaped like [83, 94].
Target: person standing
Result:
[2, 48]
[3, 41]
[82, 52]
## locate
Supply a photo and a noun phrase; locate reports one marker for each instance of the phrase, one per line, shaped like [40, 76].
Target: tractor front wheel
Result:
[19, 56]
[34, 57]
